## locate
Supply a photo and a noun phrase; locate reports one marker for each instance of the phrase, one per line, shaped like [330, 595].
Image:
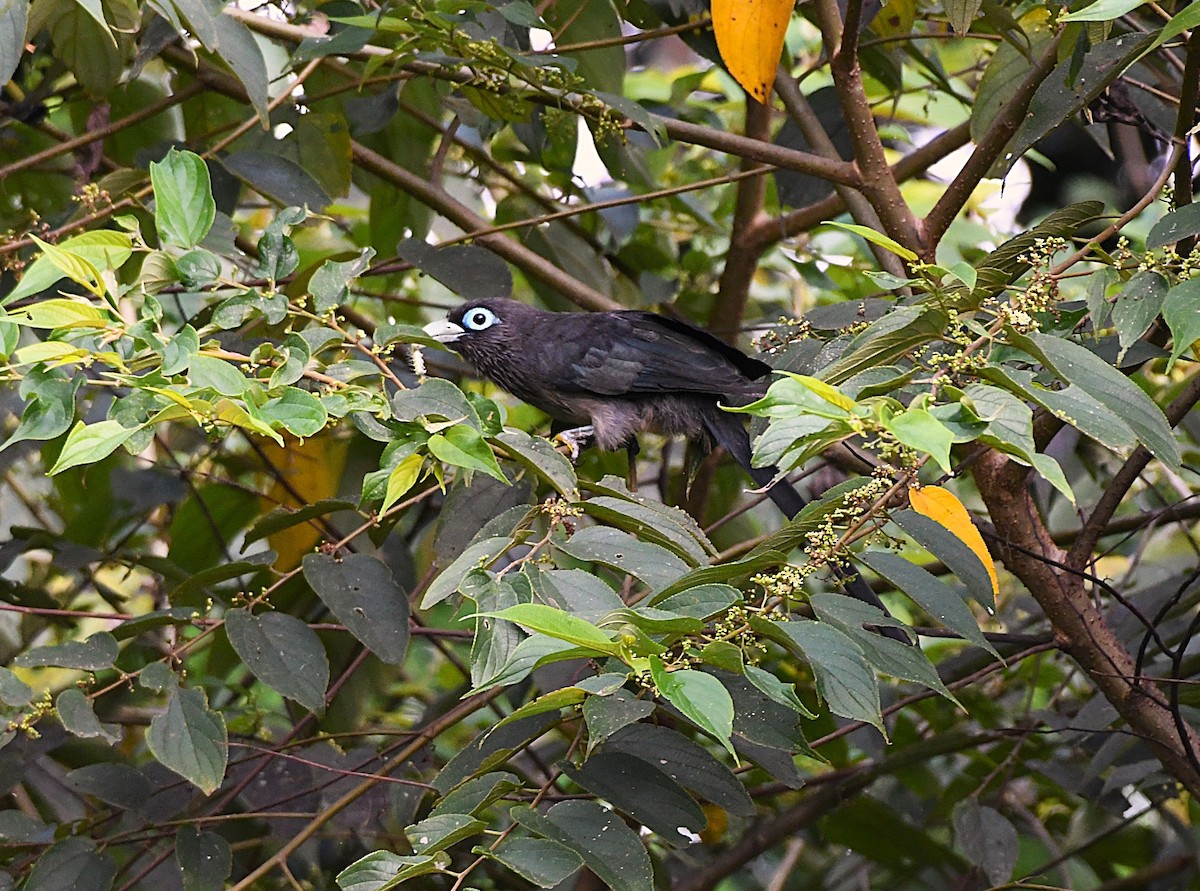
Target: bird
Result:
[620, 373]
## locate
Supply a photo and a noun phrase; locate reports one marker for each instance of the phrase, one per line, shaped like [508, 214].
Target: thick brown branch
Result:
[1001, 130]
[1079, 625]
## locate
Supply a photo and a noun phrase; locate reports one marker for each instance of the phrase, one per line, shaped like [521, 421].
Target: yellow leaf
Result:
[942, 506]
[304, 472]
[750, 37]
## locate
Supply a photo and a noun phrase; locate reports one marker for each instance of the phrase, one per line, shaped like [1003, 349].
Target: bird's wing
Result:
[621, 353]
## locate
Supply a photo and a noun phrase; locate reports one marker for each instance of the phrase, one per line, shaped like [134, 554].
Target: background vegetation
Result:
[285, 607]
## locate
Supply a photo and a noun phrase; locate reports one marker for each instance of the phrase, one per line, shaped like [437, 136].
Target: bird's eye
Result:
[479, 318]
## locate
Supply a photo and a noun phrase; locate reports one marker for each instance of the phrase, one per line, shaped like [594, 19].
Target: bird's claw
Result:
[575, 439]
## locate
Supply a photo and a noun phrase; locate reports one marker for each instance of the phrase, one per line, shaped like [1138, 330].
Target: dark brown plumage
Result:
[622, 373]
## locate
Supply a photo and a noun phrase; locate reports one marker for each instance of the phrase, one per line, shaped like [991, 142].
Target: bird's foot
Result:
[575, 439]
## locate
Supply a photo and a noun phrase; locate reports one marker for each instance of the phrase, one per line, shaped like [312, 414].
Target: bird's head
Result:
[479, 323]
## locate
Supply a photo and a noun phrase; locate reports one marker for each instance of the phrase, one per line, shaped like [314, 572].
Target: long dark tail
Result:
[728, 431]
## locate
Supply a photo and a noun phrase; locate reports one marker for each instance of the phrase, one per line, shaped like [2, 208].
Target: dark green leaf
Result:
[96, 653]
[1175, 226]
[191, 739]
[543, 862]
[489, 749]
[329, 285]
[282, 518]
[931, 593]
[986, 838]
[117, 784]
[951, 550]
[702, 602]
[204, 858]
[435, 398]
[609, 848]
[686, 762]
[13, 690]
[72, 864]
[361, 591]
[1069, 89]
[641, 790]
[605, 715]
[13, 17]
[467, 269]
[283, 653]
[383, 870]
[474, 795]
[655, 566]
[238, 49]
[1136, 308]
[77, 717]
[1076, 365]
[844, 679]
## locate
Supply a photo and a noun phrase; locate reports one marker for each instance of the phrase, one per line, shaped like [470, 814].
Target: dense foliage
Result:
[290, 601]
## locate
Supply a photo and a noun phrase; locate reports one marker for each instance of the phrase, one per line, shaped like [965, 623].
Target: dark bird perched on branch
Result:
[616, 374]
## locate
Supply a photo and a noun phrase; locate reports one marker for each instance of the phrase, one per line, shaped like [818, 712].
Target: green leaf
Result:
[191, 739]
[481, 554]
[402, 478]
[1076, 365]
[559, 625]
[931, 593]
[440, 832]
[362, 593]
[876, 238]
[961, 14]
[217, 374]
[239, 50]
[986, 838]
[60, 312]
[1184, 20]
[78, 269]
[605, 715]
[885, 655]
[844, 679]
[436, 398]
[542, 861]
[495, 639]
[283, 653]
[700, 697]
[14, 16]
[184, 208]
[465, 447]
[1181, 312]
[701, 602]
[329, 285]
[1102, 11]
[383, 870]
[920, 430]
[297, 411]
[114, 783]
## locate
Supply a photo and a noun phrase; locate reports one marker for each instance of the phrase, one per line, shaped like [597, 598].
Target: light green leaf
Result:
[89, 443]
[464, 446]
[876, 238]
[559, 625]
[700, 697]
[1181, 312]
[920, 430]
